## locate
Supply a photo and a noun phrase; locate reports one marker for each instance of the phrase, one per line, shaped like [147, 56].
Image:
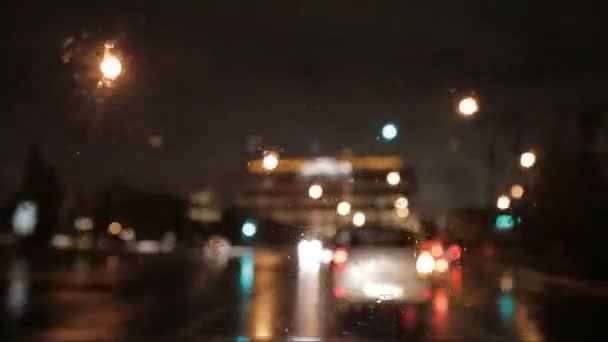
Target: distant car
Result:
[375, 264]
[441, 250]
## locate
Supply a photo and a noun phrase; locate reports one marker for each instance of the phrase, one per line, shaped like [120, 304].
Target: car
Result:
[442, 250]
[375, 264]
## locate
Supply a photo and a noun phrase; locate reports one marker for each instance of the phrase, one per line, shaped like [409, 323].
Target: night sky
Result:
[306, 77]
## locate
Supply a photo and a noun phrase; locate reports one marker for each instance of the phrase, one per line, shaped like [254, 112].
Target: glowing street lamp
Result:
[503, 202]
[389, 131]
[343, 208]
[359, 219]
[517, 191]
[401, 203]
[270, 161]
[527, 159]
[110, 67]
[315, 191]
[114, 228]
[393, 178]
[468, 106]
[249, 228]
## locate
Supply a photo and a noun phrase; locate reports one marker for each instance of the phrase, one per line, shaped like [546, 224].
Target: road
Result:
[263, 294]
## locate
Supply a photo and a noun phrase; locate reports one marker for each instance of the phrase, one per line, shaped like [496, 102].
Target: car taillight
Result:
[340, 256]
[436, 250]
[454, 252]
[339, 292]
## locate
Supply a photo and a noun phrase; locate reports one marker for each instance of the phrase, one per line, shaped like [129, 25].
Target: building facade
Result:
[308, 192]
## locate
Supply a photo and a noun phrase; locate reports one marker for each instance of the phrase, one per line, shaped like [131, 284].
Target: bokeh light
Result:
[441, 265]
[249, 228]
[527, 159]
[270, 161]
[393, 178]
[359, 219]
[389, 131]
[127, 234]
[114, 228]
[401, 203]
[343, 208]
[403, 212]
[517, 191]
[468, 106]
[503, 202]
[110, 67]
[315, 191]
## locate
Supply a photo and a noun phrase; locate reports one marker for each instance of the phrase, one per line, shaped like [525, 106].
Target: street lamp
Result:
[393, 178]
[249, 228]
[270, 161]
[359, 219]
[389, 131]
[503, 202]
[468, 106]
[315, 191]
[343, 208]
[110, 67]
[527, 159]
[517, 191]
[401, 203]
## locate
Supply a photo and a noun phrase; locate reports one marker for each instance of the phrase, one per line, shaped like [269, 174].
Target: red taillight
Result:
[339, 292]
[340, 256]
[427, 294]
[454, 252]
[436, 250]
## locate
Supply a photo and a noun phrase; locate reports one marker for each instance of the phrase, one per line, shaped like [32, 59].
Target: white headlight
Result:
[441, 265]
[425, 263]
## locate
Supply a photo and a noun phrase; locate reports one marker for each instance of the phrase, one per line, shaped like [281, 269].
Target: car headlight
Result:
[425, 263]
[441, 265]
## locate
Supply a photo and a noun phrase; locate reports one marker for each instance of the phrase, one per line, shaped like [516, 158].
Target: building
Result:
[306, 192]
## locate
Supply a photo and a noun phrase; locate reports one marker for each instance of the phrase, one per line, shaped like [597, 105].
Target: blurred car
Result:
[441, 250]
[379, 264]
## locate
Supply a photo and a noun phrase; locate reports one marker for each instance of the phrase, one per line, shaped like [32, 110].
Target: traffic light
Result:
[504, 222]
[249, 228]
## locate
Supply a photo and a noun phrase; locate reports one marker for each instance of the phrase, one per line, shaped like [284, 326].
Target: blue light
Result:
[504, 221]
[249, 228]
[506, 307]
[389, 131]
[247, 275]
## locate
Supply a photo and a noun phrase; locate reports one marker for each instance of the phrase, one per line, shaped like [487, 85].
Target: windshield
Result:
[303, 170]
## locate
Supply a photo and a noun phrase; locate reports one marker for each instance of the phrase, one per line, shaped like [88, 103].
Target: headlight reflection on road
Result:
[264, 306]
[247, 275]
[310, 253]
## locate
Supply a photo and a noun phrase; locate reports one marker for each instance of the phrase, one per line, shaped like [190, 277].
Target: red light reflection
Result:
[339, 292]
[408, 318]
[456, 281]
[440, 312]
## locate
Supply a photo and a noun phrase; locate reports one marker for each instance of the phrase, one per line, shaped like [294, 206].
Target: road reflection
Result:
[264, 305]
[18, 290]
[307, 315]
[256, 294]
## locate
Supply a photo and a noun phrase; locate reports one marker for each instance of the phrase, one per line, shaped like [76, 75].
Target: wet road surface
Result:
[263, 294]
